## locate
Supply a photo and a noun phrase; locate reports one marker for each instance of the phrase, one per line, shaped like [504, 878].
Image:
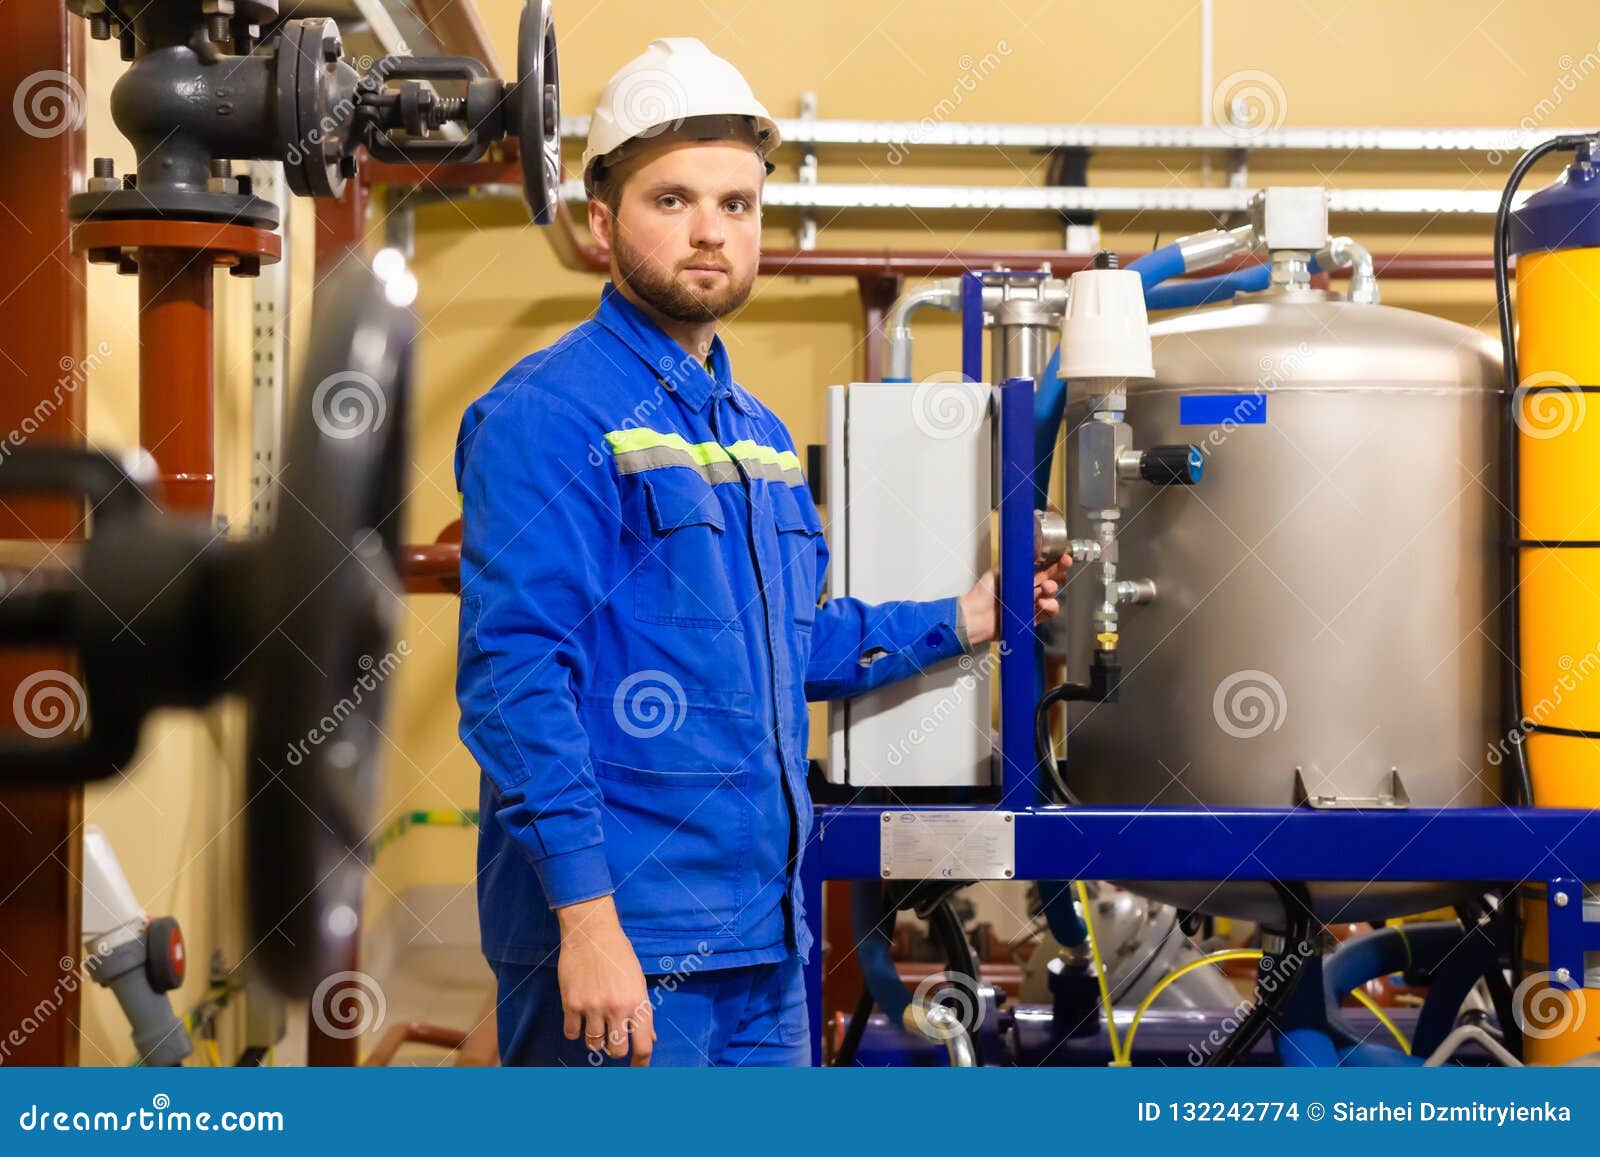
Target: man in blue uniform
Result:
[640, 629]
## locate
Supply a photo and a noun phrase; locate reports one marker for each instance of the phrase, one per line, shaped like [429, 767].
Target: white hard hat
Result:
[674, 80]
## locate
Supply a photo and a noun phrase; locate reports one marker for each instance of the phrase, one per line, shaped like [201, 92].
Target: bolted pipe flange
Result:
[315, 110]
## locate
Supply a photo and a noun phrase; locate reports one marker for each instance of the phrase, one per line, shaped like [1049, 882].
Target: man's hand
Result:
[602, 986]
[981, 609]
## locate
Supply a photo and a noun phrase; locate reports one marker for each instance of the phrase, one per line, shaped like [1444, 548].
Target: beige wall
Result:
[492, 292]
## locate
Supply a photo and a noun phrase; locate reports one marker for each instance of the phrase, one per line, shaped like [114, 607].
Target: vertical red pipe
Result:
[176, 372]
[42, 322]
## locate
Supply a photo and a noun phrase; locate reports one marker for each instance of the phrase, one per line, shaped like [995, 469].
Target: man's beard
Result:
[667, 295]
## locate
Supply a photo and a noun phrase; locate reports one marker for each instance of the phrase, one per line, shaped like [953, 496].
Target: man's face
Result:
[686, 237]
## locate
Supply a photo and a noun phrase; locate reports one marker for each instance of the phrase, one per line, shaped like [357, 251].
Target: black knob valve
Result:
[1172, 465]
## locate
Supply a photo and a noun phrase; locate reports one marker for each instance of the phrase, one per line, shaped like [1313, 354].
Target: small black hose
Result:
[1104, 686]
[851, 1044]
[1298, 923]
[1044, 748]
[961, 966]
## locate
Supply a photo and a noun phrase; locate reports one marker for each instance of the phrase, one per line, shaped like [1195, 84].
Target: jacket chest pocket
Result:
[681, 577]
[799, 530]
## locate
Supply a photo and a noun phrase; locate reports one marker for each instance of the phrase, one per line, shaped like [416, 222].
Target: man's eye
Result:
[668, 201]
[736, 206]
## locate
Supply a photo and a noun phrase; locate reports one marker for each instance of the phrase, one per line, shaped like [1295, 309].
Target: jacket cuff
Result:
[575, 876]
[961, 629]
[945, 636]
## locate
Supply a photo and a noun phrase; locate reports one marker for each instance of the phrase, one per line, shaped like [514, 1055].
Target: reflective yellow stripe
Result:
[703, 453]
[746, 449]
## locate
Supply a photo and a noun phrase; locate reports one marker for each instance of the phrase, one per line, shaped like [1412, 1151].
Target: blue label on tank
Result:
[1220, 409]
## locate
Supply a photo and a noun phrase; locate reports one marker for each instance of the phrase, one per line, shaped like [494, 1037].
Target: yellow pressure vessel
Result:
[1555, 237]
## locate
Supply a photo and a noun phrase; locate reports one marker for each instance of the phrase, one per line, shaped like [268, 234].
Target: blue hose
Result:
[1206, 290]
[1158, 265]
[1061, 914]
[1306, 1048]
[1049, 404]
[870, 923]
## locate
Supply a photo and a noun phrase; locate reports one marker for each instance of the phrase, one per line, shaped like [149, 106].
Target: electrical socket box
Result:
[910, 495]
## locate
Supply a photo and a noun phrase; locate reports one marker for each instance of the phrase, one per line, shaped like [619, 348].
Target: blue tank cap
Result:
[1565, 215]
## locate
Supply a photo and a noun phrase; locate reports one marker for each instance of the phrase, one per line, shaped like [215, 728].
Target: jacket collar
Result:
[677, 369]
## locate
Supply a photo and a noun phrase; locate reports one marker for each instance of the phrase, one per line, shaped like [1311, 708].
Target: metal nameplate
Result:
[971, 844]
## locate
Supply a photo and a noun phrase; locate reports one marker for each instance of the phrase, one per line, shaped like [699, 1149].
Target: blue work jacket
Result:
[641, 564]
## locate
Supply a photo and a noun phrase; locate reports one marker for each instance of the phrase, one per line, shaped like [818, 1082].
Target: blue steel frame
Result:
[1559, 847]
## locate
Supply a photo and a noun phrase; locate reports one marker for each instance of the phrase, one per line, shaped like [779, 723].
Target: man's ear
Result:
[600, 222]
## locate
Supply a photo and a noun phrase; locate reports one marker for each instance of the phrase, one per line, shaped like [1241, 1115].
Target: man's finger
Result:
[572, 1024]
[644, 1036]
[594, 1031]
[617, 1036]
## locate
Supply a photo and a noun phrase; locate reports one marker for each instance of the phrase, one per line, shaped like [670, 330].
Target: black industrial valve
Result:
[214, 81]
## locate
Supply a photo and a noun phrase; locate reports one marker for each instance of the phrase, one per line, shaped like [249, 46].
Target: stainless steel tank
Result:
[1327, 607]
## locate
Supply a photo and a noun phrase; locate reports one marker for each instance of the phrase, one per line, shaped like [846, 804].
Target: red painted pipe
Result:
[175, 372]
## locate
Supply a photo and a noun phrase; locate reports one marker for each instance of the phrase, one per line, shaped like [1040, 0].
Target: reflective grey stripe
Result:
[772, 472]
[658, 457]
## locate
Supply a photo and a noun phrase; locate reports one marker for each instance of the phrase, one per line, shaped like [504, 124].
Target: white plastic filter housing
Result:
[1105, 332]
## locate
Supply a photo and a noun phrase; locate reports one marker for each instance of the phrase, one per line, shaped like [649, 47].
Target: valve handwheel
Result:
[325, 617]
[536, 110]
[161, 612]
